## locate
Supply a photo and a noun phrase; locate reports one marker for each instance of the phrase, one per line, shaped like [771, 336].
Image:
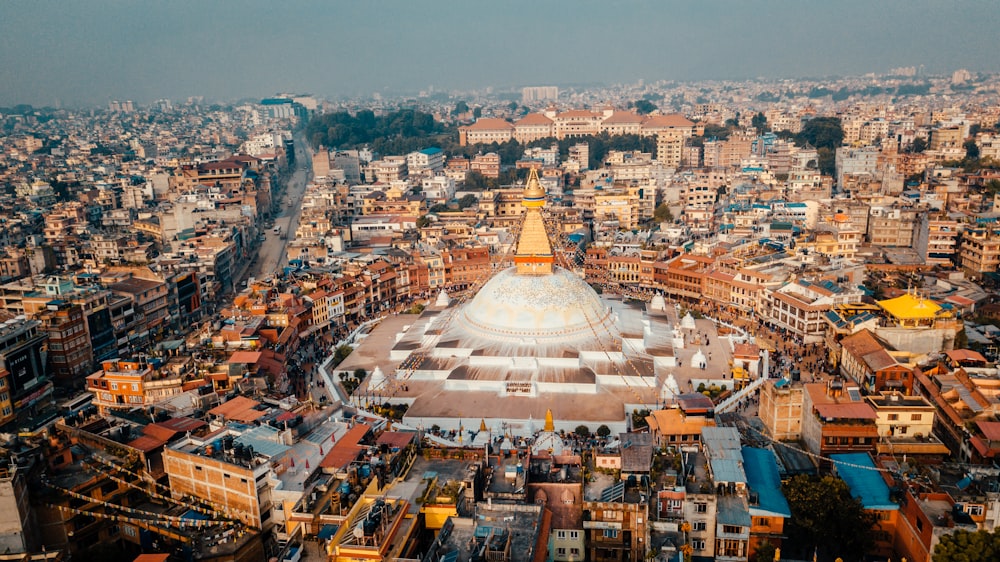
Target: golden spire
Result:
[550, 425]
[482, 424]
[534, 252]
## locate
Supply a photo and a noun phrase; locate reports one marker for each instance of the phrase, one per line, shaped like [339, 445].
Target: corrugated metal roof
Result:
[764, 480]
[866, 483]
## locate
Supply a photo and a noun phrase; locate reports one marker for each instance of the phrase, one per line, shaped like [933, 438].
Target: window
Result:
[114, 386]
[574, 535]
[561, 551]
[915, 417]
[974, 510]
[699, 526]
[611, 533]
[698, 544]
[761, 522]
[574, 551]
[902, 430]
[701, 507]
[732, 529]
[560, 534]
[893, 417]
[135, 387]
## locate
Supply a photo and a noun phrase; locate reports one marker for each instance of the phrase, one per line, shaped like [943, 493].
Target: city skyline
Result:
[87, 54]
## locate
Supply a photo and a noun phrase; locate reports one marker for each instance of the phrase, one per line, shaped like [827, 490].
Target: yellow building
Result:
[911, 311]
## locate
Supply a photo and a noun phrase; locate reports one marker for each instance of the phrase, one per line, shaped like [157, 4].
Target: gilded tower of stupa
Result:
[534, 251]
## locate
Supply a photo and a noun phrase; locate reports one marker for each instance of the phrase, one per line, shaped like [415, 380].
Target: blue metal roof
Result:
[865, 482]
[431, 150]
[764, 480]
[327, 531]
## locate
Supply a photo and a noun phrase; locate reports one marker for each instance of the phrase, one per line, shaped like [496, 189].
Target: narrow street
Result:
[271, 255]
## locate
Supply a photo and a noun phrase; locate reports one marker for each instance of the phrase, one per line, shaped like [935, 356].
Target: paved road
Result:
[271, 256]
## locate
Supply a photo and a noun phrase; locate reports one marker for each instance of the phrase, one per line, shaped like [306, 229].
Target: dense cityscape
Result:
[675, 321]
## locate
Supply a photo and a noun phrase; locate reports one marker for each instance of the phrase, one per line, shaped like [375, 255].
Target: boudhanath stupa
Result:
[534, 337]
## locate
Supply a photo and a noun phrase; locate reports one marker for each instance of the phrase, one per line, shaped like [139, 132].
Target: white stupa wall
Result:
[566, 388]
[446, 352]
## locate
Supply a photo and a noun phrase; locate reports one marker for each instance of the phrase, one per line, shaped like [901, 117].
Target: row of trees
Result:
[398, 132]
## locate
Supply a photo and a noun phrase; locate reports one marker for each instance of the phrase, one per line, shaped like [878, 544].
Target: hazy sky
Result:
[92, 51]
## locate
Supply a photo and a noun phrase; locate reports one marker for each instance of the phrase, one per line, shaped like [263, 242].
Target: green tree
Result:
[341, 353]
[468, 201]
[582, 431]
[662, 213]
[460, 108]
[966, 546]
[821, 132]
[644, 107]
[477, 112]
[918, 145]
[827, 161]
[971, 149]
[759, 122]
[423, 221]
[360, 374]
[826, 518]
[765, 552]
[603, 431]
[639, 418]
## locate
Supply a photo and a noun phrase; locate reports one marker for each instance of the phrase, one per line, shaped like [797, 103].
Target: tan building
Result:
[486, 164]
[980, 250]
[781, 409]
[238, 482]
[486, 131]
[937, 241]
[893, 227]
[532, 127]
[670, 149]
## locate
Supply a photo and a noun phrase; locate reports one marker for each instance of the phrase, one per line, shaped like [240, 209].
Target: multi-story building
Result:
[23, 381]
[979, 251]
[532, 127]
[867, 484]
[937, 241]
[486, 131]
[617, 531]
[222, 473]
[148, 299]
[18, 532]
[835, 419]
[70, 354]
[780, 409]
[867, 361]
[800, 307]
[893, 227]
[486, 164]
[125, 385]
[387, 170]
[426, 162]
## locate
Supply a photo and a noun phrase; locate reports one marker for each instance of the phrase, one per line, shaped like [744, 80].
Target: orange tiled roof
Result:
[490, 124]
[533, 119]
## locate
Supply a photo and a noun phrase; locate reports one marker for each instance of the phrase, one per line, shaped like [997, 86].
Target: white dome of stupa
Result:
[556, 308]
[658, 302]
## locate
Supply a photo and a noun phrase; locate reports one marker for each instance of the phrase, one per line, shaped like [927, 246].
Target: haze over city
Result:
[78, 54]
